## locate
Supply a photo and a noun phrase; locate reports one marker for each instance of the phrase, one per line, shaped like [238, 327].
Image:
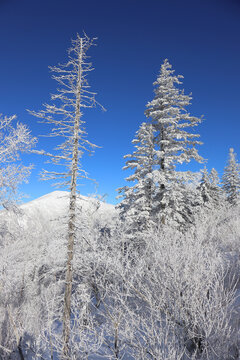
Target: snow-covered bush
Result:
[14, 140]
[174, 300]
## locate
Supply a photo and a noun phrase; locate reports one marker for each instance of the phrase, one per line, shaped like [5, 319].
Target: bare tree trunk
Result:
[162, 168]
[20, 349]
[72, 216]
[116, 345]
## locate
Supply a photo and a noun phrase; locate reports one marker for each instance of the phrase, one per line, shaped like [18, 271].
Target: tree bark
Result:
[162, 168]
[72, 214]
[20, 349]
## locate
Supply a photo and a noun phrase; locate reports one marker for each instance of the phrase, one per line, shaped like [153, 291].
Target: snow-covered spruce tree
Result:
[14, 140]
[65, 116]
[210, 192]
[215, 182]
[136, 206]
[174, 145]
[204, 186]
[231, 179]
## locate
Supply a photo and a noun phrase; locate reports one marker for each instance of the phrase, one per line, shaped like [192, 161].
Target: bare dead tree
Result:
[65, 116]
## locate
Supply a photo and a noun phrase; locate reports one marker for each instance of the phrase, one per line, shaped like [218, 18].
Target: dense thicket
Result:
[174, 300]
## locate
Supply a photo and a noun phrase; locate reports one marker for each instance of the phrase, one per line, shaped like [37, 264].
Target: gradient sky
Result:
[201, 39]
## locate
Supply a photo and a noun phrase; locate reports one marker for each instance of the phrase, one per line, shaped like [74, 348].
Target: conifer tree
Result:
[136, 207]
[210, 192]
[231, 179]
[205, 186]
[216, 191]
[174, 144]
[65, 117]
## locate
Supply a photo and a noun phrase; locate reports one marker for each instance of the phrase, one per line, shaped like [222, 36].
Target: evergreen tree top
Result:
[171, 120]
[231, 178]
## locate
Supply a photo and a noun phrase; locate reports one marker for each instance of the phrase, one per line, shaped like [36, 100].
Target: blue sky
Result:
[200, 38]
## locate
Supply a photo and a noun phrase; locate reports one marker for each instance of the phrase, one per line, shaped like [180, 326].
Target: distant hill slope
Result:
[54, 206]
[50, 213]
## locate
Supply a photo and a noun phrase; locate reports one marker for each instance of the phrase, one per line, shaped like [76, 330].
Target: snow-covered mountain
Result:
[50, 212]
[38, 223]
[53, 208]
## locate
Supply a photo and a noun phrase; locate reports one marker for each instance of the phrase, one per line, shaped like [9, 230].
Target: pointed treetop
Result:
[231, 178]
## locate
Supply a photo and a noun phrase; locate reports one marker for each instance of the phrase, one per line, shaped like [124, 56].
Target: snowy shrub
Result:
[176, 299]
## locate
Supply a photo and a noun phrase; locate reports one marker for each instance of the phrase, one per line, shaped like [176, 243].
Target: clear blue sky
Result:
[201, 39]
